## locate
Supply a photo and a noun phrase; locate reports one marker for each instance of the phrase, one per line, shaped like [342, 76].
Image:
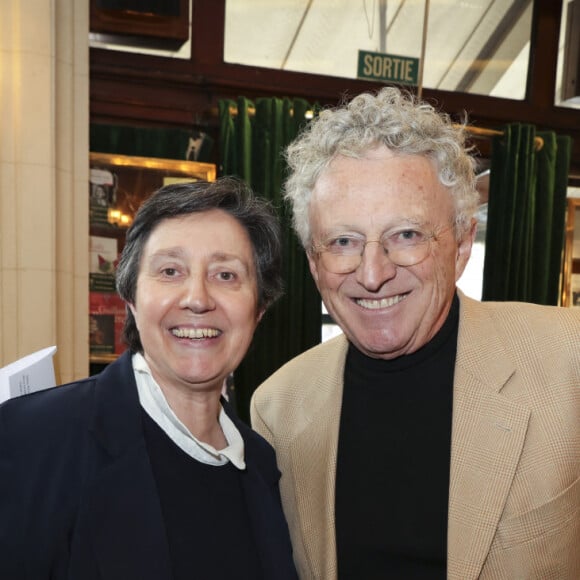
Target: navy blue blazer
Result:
[77, 495]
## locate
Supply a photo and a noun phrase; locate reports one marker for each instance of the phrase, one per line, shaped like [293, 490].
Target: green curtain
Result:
[139, 141]
[253, 136]
[526, 212]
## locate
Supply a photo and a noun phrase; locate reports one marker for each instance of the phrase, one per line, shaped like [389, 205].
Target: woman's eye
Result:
[169, 272]
[226, 276]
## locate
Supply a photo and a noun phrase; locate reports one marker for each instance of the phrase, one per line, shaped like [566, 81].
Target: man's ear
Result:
[313, 265]
[464, 249]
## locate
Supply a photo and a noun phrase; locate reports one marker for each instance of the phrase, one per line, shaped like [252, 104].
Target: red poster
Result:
[106, 320]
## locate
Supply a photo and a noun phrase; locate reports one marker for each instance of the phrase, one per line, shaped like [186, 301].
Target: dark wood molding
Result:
[146, 90]
[143, 27]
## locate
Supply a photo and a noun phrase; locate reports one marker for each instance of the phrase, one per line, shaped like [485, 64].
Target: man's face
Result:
[384, 309]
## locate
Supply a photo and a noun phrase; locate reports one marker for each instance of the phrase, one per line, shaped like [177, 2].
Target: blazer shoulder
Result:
[45, 418]
[526, 323]
[508, 311]
[537, 346]
[325, 358]
[50, 403]
[308, 388]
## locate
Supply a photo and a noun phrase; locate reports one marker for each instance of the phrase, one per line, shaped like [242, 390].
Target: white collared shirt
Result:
[156, 406]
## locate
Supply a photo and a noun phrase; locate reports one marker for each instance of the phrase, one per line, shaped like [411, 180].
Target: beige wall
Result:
[44, 124]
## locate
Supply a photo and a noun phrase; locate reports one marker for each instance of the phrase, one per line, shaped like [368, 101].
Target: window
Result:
[473, 46]
[568, 71]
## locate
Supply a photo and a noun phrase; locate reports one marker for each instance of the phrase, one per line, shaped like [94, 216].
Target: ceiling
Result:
[477, 46]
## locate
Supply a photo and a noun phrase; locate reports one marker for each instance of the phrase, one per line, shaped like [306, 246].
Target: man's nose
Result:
[375, 267]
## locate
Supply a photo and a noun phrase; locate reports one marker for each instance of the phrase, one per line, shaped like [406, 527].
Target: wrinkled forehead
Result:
[378, 192]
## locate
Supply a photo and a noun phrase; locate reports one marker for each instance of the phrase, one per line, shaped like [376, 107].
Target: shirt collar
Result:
[156, 406]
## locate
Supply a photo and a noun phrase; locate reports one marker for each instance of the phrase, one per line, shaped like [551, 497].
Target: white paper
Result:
[34, 372]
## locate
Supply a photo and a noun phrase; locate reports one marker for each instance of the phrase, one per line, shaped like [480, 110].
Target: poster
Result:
[106, 320]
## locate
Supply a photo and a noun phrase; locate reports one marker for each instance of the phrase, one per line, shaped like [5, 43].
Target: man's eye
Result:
[343, 242]
[409, 237]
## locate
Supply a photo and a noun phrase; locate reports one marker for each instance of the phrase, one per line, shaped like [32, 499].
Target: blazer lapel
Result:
[313, 455]
[125, 522]
[123, 516]
[269, 525]
[487, 440]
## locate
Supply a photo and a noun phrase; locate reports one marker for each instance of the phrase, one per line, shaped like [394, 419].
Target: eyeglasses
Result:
[343, 253]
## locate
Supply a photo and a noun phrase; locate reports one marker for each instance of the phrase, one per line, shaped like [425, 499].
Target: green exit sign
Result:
[387, 67]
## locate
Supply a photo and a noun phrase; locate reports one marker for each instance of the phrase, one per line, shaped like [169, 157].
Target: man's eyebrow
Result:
[347, 228]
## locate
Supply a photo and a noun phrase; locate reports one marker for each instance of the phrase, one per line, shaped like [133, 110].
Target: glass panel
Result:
[471, 281]
[474, 46]
[571, 267]
[567, 82]
[330, 331]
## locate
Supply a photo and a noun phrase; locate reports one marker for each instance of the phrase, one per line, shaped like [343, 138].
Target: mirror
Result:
[118, 185]
[571, 267]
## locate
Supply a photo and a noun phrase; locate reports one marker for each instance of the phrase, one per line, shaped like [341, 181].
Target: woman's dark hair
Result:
[228, 194]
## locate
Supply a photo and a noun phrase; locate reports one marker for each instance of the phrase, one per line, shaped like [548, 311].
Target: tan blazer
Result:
[515, 452]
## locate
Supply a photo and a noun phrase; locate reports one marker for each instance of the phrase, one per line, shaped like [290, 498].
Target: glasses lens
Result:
[411, 255]
[403, 247]
[337, 263]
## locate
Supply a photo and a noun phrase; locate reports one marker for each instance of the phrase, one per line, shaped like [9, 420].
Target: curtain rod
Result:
[475, 131]
[481, 132]
[252, 111]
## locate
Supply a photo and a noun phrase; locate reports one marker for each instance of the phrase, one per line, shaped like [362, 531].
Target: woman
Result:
[142, 472]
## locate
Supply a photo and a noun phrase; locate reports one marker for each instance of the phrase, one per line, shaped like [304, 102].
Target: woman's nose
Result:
[196, 295]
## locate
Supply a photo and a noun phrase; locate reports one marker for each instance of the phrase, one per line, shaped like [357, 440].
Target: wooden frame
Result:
[144, 26]
[571, 261]
[144, 90]
[156, 166]
[118, 185]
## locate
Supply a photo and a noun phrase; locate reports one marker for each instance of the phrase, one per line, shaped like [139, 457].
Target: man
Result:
[439, 436]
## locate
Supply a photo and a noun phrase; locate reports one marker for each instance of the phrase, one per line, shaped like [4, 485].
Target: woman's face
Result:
[196, 300]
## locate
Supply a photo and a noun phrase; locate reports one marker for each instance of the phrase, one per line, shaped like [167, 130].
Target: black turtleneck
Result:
[394, 447]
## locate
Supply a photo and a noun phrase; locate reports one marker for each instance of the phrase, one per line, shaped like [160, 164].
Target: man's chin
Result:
[381, 347]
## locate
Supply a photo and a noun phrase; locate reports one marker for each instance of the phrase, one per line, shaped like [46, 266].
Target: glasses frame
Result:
[322, 249]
